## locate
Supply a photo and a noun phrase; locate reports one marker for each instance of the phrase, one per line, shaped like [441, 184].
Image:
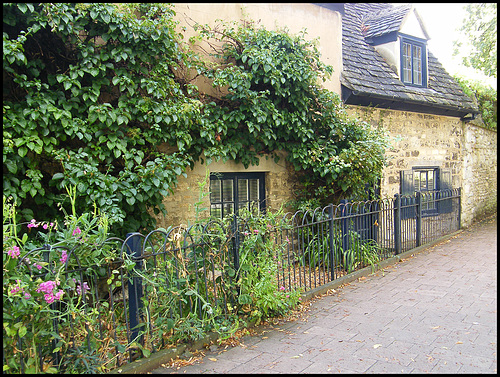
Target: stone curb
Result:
[145, 365]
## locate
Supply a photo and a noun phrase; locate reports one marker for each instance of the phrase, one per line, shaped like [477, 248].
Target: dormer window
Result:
[413, 62]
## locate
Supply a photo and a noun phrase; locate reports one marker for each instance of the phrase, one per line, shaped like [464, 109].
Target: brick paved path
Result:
[433, 313]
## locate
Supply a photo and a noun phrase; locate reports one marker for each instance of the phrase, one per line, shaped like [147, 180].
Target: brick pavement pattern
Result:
[433, 313]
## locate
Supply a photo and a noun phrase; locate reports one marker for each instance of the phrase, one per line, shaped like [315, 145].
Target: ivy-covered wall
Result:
[320, 23]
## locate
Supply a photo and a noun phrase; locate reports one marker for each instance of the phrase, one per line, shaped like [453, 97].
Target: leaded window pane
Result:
[407, 62]
[215, 194]
[254, 189]
[417, 65]
[227, 190]
[216, 210]
[242, 190]
[228, 209]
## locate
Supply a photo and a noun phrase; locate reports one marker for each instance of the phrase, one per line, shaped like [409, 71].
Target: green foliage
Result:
[100, 97]
[479, 27]
[274, 102]
[260, 257]
[486, 98]
[91, 95]
[361, 253]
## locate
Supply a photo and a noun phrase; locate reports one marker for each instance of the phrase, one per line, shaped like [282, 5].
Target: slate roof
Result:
[367, 78]
[386, 21]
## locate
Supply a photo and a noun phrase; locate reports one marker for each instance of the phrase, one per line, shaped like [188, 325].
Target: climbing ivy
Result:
[275, 102]
[485, 97]
[92, 94]
[101, 97]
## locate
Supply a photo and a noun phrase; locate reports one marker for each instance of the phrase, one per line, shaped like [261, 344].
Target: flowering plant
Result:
[39, 290]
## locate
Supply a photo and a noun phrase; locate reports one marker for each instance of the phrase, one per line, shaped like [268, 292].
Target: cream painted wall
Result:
[319, 22]
[411, 26]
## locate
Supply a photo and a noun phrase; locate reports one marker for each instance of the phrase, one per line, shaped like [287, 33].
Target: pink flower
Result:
[282, 288]
[256, 231]
[47, 287]
[76, 231]
[33, 224]
[14, 252]
[84, 286]
[15, 290]
[27, 296]
[287, 296]
[59, 294]
[246, 233]
[37, 266]
[45, 226]
[49, 297]
[64, 257]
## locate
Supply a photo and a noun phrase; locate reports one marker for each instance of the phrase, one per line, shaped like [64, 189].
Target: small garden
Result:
[78, 300]
[65, 304]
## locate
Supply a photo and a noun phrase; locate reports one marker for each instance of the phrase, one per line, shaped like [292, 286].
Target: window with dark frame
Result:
[426, 179]
[231, 192]
[413, 62]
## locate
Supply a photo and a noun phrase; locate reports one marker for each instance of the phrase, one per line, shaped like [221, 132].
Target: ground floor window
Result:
[425, 179]
[231, 192]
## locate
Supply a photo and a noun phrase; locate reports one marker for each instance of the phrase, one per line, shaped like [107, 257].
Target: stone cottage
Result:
[385, 75]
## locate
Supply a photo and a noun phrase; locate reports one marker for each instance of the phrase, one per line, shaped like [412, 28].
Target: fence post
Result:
[236, 248]
[397, 223]
[418, 227]
[134, 250]
[459, 208]
[332, 244]
[344, 225]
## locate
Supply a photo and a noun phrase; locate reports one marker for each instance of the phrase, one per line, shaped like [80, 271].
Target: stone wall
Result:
[426, 140]
[422, 140]
[417, 139]
[479, 187]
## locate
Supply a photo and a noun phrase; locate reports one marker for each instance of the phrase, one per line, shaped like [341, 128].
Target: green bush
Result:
[486, 99]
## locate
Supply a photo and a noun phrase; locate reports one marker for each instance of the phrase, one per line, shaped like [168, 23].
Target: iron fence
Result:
[195, 268]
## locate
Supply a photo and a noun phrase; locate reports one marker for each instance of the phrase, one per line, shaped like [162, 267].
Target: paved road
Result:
[433, 313]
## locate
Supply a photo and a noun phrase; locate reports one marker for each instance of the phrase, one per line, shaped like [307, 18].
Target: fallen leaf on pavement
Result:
[212, 359]
[377, 345]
